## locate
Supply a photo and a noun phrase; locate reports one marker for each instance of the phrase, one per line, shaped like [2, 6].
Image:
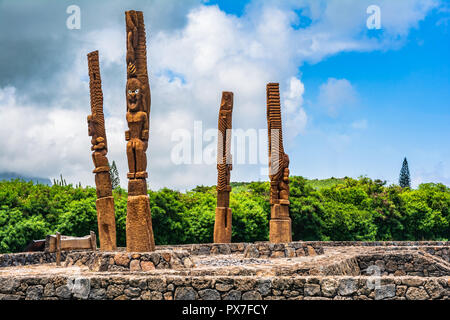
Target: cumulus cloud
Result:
[336, 94]
[360, 124]
[41, 142]
[438, 174]
[293, 112]
[195, 51]
[398, 17]
[339, 142]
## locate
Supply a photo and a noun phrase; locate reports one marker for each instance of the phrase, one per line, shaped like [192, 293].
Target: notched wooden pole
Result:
[58, 249]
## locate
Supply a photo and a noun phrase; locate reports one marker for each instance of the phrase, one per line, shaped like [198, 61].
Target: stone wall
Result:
[403, 263]
[27, 258]
[440, 248]
[388, 270]
[120, 287]
[216, 248]
[281, 250]
[126, 261]
[436, 248]
[441, 252]
[346, 267]
[379, 243]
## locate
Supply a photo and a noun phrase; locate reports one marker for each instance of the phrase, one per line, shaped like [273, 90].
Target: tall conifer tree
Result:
[405, 179]
[114, 173]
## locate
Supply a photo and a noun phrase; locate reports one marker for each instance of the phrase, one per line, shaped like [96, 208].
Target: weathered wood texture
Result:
[280, 222]
[71, 243]
[222, 224]
[96, 127]
[139, 231]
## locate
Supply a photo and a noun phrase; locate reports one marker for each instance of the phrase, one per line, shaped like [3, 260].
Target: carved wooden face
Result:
[134, 94]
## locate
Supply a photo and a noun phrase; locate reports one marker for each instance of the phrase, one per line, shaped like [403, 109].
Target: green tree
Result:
[17, 230]
[345, 222]
[79, 218]
[200, 213]
[306, 211]
[405, 179]
[168, 216]
[332, 209]
[249, 218]
[114, 173]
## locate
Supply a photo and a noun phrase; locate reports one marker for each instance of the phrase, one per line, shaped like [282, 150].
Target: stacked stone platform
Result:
[336, 270]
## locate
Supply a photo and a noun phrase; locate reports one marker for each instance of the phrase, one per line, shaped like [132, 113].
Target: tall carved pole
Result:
[139, 221]
[222, 225]
[280, 222]
[96, 127]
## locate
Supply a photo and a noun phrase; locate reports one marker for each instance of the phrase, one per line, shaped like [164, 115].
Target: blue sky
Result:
[355, 101]
[405, 98]
[403, 105]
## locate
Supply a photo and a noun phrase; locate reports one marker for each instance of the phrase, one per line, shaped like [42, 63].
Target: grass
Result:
[324, 183]
[315, 183]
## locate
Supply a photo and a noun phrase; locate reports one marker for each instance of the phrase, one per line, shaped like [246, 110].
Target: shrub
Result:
[332, 209]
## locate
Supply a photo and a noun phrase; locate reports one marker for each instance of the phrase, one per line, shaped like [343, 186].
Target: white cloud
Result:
[293, 97]
[399, 16]
[339, 142]
[42, 142]
[7, 96]
[293, 113]
[438, 174]
[189, 67]
[336, 94]
[109, 42]
[360, 124]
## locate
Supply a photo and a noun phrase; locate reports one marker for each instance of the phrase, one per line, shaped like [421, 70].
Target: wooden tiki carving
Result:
[139, 223]
[222, 225]
[280, 222]
[96, 127]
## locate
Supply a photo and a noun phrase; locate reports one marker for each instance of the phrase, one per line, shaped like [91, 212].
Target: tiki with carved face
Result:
[98, 142]
[137, 135]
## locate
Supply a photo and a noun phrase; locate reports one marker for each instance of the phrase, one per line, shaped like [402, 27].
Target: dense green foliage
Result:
[332, 209]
